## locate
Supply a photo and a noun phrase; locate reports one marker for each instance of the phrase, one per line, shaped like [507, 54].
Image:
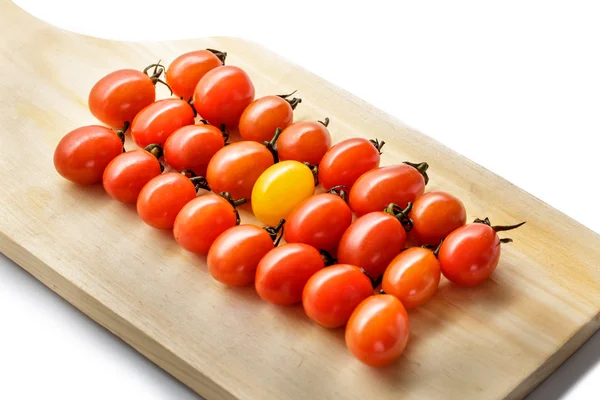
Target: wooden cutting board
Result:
[498, 340]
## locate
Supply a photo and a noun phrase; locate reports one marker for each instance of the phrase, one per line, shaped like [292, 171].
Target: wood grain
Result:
[495, 341]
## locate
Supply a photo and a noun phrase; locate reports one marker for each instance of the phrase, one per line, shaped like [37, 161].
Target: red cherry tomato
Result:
[223, 94]
[191, 147]
[282, 273]
[235, 254]
[120, 95]
[236, 167]
[128, 173]
[435, 215]
[260, 119]
[378, 330]
[305, 141]
[319, 221]
[470, 254]
[161, 199]
[155, 123]
[331, 295]
[82, 154]
[185, 71]
[347, 160]
[412, 277]
[375, 189]
[371, 242]
[202, 220]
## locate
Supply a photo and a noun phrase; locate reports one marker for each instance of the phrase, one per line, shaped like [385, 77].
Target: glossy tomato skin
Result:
[378, 330]
[128, 173]
[201, 221]
[470, 254]
[185, 71]
[319, 221]
[120, 95]
[223, 94]
[372, 241]
[236, 167]
[435, 215]
[161, 199]
[263, 116]
[155, 123]
[305, 141]
[331, 295]
[412, 277]
[82, 154]
[279, 189]
[235, 254]
[377, 188]
[191, 147]
[346, 161]
[283, 272]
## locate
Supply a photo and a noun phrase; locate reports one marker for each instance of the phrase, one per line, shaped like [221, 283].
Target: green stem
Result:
[499, 228]
[221, 55]
[315, 171]
[401, 214]
[341, 191]
[421, 167]
[155, 149]
[271, 145]
[378, 144]
[273, 231]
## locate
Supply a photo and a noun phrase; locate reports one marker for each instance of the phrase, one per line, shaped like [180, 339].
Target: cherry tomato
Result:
[128, 173]
[120, 95]
[331, 295]
[378, 330]
[305, 141]
[260, 119]
[82, 154]
[279, 189]
[413, 276]
[185, 71]
[236, 167]
[375, 189]
[223, 94]
[435, 215]
[469, 255]
[282, 273]
[371, 242]
[155, 123]
[191, 147]
[319, 221]
[161, 199]
[347, 160]
[235, 254]
[202, 220]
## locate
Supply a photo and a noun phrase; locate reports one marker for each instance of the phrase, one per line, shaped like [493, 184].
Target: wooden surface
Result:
[495, 341]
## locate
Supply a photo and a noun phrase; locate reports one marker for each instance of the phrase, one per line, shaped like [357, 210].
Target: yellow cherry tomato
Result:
[279, 189]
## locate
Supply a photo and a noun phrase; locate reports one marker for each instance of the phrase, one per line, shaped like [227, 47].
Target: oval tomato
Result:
[279, 189]
[378, 330]
[128, 173]
[331, 295]
[412, 277]
[223, 94]
[185, 71]
[305, 141]
[319, 221]
[82, 154]
[263, 116]
[435, 215]
[377, 188]
[192, 147]
[283, 272]
[347, 160]
[155, 123]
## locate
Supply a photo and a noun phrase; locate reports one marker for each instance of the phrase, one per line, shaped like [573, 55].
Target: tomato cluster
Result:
[337, 223]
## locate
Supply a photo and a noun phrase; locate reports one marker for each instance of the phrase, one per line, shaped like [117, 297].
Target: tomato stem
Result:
[273, 231]
[341, 191]
[421, 167]
[374, 282]
[221, 55]
[378, 144]
[401, 214]
[499, 228]
[224, 132]
[325, 122]
[434, 249]
[155, 77]
[328, 259]
[294, 102]
[199, 182]
[191, 103]
[285, 96]
[155, 150]
[315, 171]
[271, 146]
[234, 204]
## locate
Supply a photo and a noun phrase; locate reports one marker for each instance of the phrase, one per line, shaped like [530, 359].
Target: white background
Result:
[513, 85]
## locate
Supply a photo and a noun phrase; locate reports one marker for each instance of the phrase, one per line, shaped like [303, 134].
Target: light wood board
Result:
[498, 340]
